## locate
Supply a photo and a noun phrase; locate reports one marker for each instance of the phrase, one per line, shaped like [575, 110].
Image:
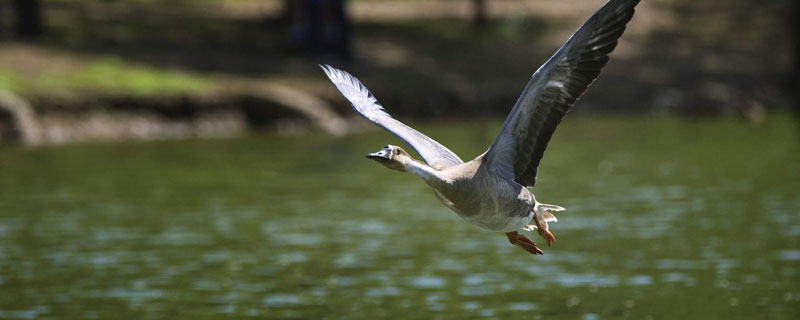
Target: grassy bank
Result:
[34, 72]
[422, 59]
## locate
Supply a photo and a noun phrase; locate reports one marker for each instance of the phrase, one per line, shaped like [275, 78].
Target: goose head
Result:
[393, 157]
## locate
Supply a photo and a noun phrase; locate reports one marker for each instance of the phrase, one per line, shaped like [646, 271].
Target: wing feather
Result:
[552, 90]
[435, 154]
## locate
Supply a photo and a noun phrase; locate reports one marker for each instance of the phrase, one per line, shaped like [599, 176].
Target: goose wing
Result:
[552, 90]
[435, 154]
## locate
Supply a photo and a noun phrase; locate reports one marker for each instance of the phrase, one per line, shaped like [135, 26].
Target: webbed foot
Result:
[546, 234]
[540, 220]
[523, 242]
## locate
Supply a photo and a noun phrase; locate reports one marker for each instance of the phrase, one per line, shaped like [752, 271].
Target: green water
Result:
[665, 219]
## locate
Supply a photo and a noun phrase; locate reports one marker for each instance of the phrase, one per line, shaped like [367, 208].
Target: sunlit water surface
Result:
[665, 219]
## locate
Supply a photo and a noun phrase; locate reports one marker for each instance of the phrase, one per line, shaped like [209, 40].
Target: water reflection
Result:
[647, 228]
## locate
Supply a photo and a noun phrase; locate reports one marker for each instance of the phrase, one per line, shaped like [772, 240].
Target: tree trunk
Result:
[479, 12]
[29, 17]
[288, 12]
[795, 76]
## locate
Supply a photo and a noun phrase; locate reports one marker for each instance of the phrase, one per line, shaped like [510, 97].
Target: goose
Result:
[491, 191]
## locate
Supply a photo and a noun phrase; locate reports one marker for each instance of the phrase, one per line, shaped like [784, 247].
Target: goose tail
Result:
[545, 209]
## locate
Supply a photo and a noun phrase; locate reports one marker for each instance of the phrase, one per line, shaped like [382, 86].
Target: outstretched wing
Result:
[552, 90]
[434, 154]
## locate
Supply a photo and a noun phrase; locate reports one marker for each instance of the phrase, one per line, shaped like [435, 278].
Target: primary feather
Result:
[552, 90]
[435, 154]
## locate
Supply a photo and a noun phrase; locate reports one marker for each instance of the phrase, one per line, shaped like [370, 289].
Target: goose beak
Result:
[381, 155]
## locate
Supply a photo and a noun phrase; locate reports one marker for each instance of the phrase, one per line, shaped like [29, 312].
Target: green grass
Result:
[103, 76]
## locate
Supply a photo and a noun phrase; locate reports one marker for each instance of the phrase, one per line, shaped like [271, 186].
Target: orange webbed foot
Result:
[523, 242]
[542, 228]
[547, 235]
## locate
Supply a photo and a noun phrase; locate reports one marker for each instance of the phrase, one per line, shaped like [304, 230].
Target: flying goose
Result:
[491, 191]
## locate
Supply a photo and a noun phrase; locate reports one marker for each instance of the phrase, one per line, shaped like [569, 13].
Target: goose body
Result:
[491, 191]
[477, 195]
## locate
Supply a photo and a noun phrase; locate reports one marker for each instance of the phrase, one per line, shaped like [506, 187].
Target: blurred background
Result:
[187, 158]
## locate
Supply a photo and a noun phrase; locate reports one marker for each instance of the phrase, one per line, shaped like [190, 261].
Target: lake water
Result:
[666, 219]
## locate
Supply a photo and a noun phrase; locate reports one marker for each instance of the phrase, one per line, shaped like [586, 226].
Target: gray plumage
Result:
[552, 90]
[490, 191]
